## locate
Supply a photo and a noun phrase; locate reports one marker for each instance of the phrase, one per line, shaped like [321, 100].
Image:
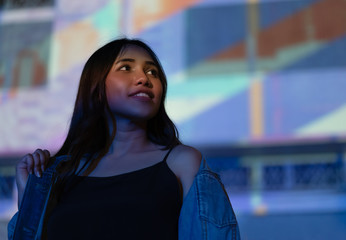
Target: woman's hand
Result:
[34, 163]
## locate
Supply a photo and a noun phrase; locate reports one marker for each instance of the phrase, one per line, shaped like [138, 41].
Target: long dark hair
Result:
[90, 136]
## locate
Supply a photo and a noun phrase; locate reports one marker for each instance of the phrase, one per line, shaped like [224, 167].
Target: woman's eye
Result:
[153, 72]
[125, 68]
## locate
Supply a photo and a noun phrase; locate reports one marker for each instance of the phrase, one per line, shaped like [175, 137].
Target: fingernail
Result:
[38, 174]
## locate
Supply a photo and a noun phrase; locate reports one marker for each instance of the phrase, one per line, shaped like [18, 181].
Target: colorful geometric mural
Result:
[239, 71]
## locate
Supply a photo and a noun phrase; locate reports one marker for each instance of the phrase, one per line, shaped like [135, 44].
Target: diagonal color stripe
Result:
[332, 123]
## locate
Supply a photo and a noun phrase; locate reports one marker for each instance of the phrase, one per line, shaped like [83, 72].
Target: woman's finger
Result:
[38, 159]
[28, 162]
[47, 156]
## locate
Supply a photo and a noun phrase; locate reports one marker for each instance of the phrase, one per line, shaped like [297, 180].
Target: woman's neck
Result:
[130, 137]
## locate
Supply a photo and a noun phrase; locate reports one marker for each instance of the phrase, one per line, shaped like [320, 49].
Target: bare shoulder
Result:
[184, 162]
[187, 156]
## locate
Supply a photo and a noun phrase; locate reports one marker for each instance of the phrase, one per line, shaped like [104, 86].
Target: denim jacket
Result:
[206, 212]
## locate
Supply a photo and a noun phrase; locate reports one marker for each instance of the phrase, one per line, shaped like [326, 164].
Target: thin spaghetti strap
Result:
[165, 158]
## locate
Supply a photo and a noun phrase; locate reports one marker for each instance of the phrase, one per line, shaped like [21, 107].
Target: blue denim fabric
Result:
[26, 224]
[206, 212]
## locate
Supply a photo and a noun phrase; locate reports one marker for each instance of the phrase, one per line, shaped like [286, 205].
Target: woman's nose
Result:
[143, 79]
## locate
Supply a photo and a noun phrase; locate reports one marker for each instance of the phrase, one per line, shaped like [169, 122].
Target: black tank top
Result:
[143, 204]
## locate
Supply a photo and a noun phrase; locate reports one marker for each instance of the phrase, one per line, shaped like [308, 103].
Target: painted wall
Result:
[239, 71]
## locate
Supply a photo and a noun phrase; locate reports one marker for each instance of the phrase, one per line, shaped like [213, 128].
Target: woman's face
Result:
[133, 87]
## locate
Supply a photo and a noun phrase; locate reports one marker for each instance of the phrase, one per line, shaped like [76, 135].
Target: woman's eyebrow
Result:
[125, 60]
[150, 63]
[133, 60]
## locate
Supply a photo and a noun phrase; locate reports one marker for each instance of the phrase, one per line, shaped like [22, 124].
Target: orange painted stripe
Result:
[256, 108]
[146, 13]
[292, 30]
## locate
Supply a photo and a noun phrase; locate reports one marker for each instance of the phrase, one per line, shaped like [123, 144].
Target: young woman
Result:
[122, 172]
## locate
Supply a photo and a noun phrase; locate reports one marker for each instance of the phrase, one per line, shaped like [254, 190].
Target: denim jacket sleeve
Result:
[207, 212]
[27, 222]
[11, 226]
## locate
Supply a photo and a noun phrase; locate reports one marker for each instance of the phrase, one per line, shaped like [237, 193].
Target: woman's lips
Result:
[142, 96]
